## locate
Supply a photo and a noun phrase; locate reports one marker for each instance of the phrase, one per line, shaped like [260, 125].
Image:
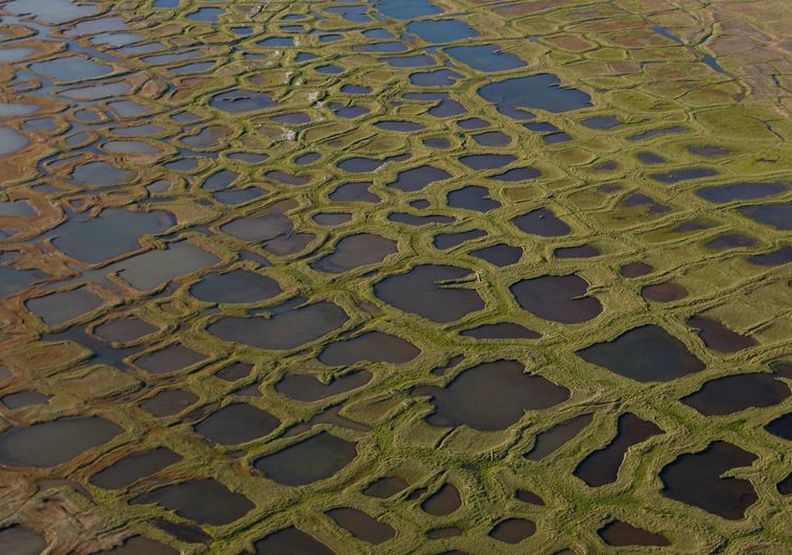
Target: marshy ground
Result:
[395, 276]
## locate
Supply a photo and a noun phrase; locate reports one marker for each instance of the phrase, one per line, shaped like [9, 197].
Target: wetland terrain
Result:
[395, 276]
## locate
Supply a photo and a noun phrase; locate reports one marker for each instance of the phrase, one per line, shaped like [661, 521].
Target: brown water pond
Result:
[500, 330]
[361, 525]
[169, 359]
[16, 540]
[732, 394]
[386, 487]
[307, 461]
[561, 299]
[542, 222]
[236, 423]
[490, 396]
[620, 534]
[308, 388]
[236, 286]
[168, 402]
[140, 545]
[646, 353]
[664, 292]
[602, 466]
[373, 346]
[513, 530]
[548, 442]
[431, 291]
[283, 330]
[290, 541]
[443, 502]
[124, 330]
[48, 444]
[132, 468]
[205, 501]
[718, 337]
[696, 479]
[355, 251]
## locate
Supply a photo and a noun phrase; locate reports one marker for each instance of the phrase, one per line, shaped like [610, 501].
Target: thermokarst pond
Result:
[431, 291]
[697, 479]
[205, 501]
[509, 393]
[283, 330]
[307, 461]
[48, 444]
[647, 353]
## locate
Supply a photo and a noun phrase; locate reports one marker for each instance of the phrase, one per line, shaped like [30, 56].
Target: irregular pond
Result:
[386, 487]
[485, 57]
[58, 308]
[542, 222]
[170, 359]
[290, 540]
[646, 353]
[490, 396]
[442, 30]
[239, 100]
[500, 330]
[561, 299]
[718, 337]
[731, 394]
[722, 194]
[620, 534]
[430, 291]
[445, 241]
[132, 468]
[486, 161]
[499, 255]
[16, 540]
[778, 216]
[683, 174]
[373, 346]
[472, 197]
[361, 525]
[416, 179]
[548, 442]
[354, 251]
[781, 427]
[236, 286]
[513, 530]
[236, 423]
[11, 141]
[203, 500]
[48, 444]
[354, 192]
[307, 461]
[443, 502]
[308, 388]
[284, 330]
[542, 91]
[71, 68]
[115, 231]
[602, 466]
[696, 479]
[168, 402]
